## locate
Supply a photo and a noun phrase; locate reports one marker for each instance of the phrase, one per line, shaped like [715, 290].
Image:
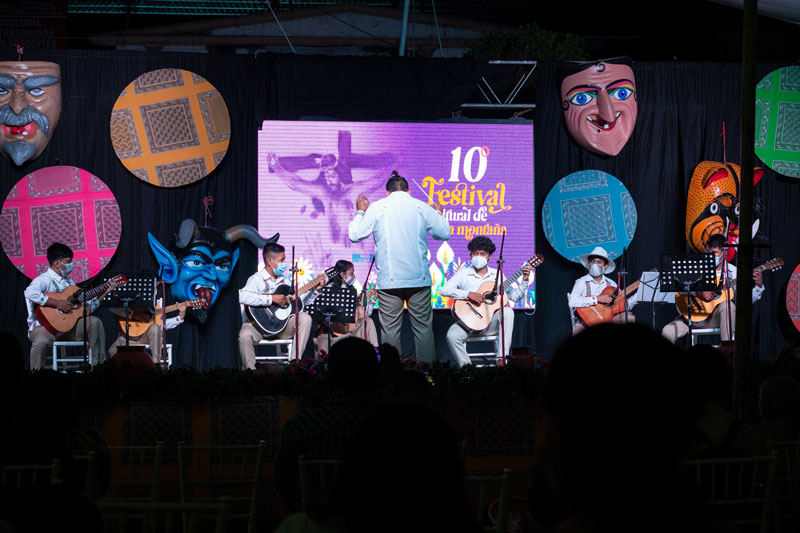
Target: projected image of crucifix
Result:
[333, 187]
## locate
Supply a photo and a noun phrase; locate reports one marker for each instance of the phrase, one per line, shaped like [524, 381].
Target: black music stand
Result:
[688, 273]
[334, 305]
[139, 292]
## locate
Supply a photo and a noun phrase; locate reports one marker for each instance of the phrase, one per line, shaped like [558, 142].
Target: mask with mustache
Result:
[30, 107]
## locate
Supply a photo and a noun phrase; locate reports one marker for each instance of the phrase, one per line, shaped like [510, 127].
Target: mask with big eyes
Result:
[712, 204]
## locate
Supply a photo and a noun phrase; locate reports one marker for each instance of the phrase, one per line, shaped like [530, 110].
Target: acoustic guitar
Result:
[139, 322]
[339, 329]
[58, 323]
[600, 313]
[476, 318]
[272, 319]
[701, 309]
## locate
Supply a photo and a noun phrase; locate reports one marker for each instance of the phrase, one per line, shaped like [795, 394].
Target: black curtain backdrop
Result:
[681, 108]
[681, 111]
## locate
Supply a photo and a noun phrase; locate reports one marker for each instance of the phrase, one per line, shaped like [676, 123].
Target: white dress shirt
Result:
[400, 224]
[467, 280]
[48, 281]
[259, 288]
[586, 290]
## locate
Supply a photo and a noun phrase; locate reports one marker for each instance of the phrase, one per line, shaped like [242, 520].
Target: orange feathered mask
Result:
[713, 203]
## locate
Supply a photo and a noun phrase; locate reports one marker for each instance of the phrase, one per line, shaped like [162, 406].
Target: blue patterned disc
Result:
[587, 209]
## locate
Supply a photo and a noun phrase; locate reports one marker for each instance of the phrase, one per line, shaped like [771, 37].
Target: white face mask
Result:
[596, 270]
[479, 261]
[349, 280]
[717, 259]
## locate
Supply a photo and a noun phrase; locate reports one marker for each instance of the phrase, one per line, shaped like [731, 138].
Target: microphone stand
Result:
[623, 282]
[364, 292]
[725, 277]
[499, 281]
[296, 311]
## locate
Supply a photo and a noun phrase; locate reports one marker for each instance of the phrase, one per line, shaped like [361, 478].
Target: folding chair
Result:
[787, 470]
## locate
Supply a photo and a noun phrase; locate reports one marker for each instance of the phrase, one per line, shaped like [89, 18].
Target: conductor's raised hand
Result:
[438, 208]
[362, 202]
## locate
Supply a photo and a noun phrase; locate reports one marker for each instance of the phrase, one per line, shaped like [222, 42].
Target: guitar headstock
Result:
[536, 260]
[332, 272]
[773, 264]
[197, 303]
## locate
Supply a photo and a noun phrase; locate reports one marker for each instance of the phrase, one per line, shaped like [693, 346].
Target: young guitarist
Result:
[719, 317]
[345, 279]
[258, 291]
[588, 289]
[55, 280]
[463, 286]
[152, 336]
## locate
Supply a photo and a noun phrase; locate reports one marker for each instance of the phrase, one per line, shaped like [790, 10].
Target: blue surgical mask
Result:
[67, 269]
[280, 269]
[349, 280]
[595, 269]
[717, 259]
[478, 261]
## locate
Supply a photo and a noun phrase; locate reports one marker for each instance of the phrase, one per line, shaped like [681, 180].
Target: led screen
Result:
[310, 173]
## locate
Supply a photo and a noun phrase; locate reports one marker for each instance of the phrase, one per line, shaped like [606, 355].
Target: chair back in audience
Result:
[739, 490]
[236, 472]
[319, 479]
[136, 472]
[152, 517]
[491, 491]
[787, 472]
[31, 475]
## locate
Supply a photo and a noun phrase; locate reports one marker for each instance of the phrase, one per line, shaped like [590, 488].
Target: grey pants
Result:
[42, 341]
[390, 307]
[151, 337]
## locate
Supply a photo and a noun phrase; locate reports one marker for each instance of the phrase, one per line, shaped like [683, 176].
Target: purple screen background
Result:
[295, 198]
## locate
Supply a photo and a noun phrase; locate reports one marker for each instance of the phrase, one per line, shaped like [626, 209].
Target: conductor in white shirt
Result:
[463, 285]
[400, 224]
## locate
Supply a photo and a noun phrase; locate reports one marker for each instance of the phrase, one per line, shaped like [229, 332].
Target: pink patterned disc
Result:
[60, 204]
[793, 297]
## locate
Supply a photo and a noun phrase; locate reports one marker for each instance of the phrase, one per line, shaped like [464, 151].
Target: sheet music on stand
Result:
[687, 273]
[139, 292]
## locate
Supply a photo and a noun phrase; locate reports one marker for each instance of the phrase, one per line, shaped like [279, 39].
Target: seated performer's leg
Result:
[494, 327]
[248, 337]
[97, 337]
[372, 332]
[304, 329]
[457, 342]
[675, 330]
[41, 343]
[153, 339]
[578, 328]
[720, 319]
[620, 318]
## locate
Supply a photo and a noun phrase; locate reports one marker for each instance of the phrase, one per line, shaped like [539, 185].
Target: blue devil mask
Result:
[201, 261]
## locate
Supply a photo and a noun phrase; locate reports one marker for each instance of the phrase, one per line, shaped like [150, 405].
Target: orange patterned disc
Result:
[170, 127]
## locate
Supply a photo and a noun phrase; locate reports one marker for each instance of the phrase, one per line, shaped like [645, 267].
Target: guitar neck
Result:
[310, 285]
[84, 296]
[630, 288]
[512, 278]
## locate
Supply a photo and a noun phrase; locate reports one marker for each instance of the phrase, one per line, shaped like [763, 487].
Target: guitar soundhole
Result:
[489, 299]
